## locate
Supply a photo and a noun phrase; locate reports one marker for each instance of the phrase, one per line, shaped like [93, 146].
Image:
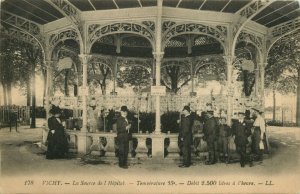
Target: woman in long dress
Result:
[57, 140]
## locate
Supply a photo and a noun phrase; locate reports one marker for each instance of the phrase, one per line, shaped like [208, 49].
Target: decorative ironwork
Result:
[96, 32]
[69, 10]
[204, 40]
[61, 36]
[285, 28]
[167, 25]
[176, 42]
[251, 38]
[19, 22]
[93, 27]
[195, 29]
[251, 9]
[149, 24]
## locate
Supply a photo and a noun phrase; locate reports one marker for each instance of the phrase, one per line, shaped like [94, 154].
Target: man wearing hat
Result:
[241, 139]
[186, 136]
[123, 127]
[259, 127]
[210, 136]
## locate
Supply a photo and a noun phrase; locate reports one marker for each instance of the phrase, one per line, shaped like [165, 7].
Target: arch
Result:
[195, 28]
[96, 31]
[40, 43]
[279, 38]
[253, 40]
[61, 36]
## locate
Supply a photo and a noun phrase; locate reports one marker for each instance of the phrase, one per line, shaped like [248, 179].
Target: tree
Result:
[174, 77]
[288, 55]
[33, 57]
[273, 72]
[7, 63]
[99, 72]
[136, 76]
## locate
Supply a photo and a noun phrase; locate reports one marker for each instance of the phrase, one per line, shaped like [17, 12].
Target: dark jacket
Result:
[210, 127]
[186, 126]
[239, 130]
[121, 125]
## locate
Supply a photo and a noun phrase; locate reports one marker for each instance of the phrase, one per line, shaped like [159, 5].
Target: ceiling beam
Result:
[41, 9]
[92, 5]
[225, 5]
[285, 27]
[116, 4]
[282, 16]
[178, 3]
[202, 4]
[274, 11]
[139, 1]
[14, 5]
[21, 23]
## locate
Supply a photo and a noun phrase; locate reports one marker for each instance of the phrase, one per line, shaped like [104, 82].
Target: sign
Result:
[65, 63]
[158, 90]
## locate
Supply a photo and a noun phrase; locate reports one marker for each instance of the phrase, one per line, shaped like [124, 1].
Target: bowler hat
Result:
[55, 110]
[124, 109]
[186, 108]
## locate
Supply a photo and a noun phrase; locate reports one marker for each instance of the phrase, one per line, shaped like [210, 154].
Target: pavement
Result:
[21, 156]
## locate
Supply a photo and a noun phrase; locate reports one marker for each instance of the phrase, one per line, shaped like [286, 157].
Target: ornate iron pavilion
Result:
[153, 34]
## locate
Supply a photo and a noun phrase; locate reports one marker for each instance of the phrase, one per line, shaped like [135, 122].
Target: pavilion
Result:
[154, 35]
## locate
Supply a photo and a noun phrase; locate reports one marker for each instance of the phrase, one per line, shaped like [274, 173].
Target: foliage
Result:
[98, 74]
[136, 76]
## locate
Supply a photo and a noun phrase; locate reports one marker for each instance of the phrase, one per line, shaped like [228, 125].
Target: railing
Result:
[105, 144]
[20, 113]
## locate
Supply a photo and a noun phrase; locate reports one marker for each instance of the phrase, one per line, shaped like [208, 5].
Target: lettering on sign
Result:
[158, 90]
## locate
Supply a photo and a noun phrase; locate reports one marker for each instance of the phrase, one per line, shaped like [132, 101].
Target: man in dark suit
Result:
[123, 127]
[210, 136]
[186, 136]
[241, 139]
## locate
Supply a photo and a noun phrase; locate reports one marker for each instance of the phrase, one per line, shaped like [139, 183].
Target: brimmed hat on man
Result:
[124, 109]
[55, 110]
[187, 108]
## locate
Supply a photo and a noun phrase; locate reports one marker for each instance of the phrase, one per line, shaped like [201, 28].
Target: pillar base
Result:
[83, 143]
[158, 146]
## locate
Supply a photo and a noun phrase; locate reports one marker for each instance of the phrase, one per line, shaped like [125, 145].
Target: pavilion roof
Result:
[42, 12]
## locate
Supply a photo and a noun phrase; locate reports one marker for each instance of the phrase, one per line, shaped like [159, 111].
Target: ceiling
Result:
[42, 12]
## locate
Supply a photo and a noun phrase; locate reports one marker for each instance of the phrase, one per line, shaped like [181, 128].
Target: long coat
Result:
[57, 142]
[240, 133]
[210, 128]
[186, 128]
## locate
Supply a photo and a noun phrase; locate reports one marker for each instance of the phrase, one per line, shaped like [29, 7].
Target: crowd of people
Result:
[246, 131]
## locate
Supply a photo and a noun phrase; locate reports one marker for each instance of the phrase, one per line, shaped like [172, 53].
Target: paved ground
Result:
[22, 157]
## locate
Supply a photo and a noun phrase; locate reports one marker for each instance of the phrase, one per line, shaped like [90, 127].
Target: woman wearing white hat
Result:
[259, 127]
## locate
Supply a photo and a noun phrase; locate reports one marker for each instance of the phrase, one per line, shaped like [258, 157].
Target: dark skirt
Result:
[57, 145]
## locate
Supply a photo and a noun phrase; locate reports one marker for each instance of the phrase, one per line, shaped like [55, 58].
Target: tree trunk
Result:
[274, 104]
[66, 83]
[9, 97]
[28, 92]
[4, 94]
[33, 113]
[45, 86]
[298, 101]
